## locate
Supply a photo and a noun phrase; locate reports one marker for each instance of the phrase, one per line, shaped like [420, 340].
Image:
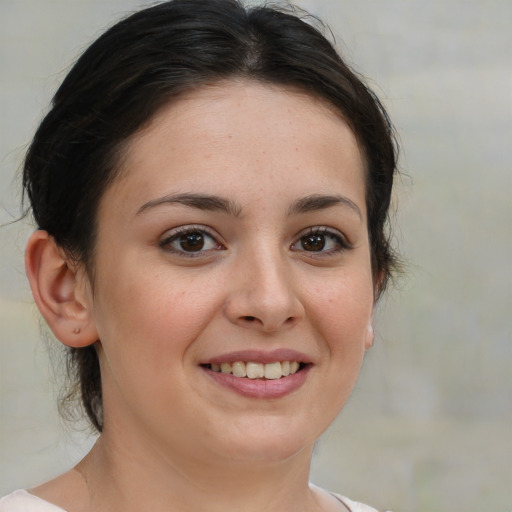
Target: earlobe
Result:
[370, 336]
[58, 292]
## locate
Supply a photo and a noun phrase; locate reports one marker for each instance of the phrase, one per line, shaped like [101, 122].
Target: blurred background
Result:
[429, 426]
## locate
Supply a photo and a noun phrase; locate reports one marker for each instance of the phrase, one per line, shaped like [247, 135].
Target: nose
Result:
[263, 294]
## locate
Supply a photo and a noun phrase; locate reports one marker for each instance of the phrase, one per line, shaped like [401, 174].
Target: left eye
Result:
[320, 241]
[190, 241]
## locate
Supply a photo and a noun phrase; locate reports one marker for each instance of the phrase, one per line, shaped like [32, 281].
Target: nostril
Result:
[249, 318]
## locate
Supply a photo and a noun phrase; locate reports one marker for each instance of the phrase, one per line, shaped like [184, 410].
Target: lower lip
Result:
[260, 388]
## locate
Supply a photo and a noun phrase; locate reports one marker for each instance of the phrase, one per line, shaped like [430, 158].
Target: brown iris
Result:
[192, 242]
[313, 242]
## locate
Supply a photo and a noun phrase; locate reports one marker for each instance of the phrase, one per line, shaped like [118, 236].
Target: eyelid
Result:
[174, 233]
[344, 242]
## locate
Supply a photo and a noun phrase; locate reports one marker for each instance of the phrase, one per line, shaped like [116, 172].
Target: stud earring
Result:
[76, 331]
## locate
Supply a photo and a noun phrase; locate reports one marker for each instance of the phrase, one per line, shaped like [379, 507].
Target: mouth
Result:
[253, 370]
[258, 374]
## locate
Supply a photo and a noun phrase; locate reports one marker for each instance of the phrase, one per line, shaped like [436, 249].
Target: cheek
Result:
[152, 317]
[342, 311]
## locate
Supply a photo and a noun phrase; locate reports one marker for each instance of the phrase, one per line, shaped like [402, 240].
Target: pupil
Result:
[313, 242]
[192, 242]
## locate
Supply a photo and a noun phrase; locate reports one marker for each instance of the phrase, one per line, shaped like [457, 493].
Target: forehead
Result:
[240, 131]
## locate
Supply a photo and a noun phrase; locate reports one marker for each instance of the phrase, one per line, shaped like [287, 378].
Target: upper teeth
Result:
[258, 370]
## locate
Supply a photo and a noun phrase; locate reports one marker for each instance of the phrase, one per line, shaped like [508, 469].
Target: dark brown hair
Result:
[153, 56]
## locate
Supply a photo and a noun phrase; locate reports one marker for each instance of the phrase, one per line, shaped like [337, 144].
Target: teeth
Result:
[255, 370]
[271, 371]
[239, 369]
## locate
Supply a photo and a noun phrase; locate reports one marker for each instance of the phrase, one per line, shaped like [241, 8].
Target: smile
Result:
[260, 374]
[251, 370]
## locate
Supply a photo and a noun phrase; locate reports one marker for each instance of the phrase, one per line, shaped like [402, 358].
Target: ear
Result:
[378, 281]
[60, 292]
[370, 335]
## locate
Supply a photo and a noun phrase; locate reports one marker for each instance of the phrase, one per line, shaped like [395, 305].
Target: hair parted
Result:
[153, 56]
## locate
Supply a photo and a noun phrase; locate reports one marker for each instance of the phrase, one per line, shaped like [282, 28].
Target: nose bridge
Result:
[272, 283]
[265, 295]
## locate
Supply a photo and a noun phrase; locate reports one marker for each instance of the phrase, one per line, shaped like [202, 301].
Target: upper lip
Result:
[259, 356]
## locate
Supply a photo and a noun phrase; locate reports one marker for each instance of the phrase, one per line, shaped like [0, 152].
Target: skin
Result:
[171, 431]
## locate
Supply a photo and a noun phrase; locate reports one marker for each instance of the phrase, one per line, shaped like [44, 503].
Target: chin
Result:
[268, 452]
[268, 442]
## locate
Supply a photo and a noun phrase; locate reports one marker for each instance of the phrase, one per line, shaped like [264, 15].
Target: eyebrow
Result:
[201, 201]
[214, 203]
[316, 202]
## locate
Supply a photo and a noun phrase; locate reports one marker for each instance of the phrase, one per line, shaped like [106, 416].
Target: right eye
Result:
[190, 241]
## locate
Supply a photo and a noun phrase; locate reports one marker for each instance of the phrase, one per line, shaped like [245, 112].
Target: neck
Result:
[128, 477]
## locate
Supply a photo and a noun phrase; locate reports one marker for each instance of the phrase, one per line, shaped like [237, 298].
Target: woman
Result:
[211, 189]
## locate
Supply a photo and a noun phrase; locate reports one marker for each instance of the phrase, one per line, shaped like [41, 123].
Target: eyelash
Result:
[340, 241]
[176, 234]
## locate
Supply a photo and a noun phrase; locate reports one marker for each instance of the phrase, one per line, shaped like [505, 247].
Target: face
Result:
[233, 289]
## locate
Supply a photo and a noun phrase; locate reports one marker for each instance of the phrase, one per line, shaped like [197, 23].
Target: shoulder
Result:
[354, 506]
[349, 505]
[22, 501]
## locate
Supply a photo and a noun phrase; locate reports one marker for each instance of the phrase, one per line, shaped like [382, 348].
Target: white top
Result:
[22, 501]
[353, 506]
